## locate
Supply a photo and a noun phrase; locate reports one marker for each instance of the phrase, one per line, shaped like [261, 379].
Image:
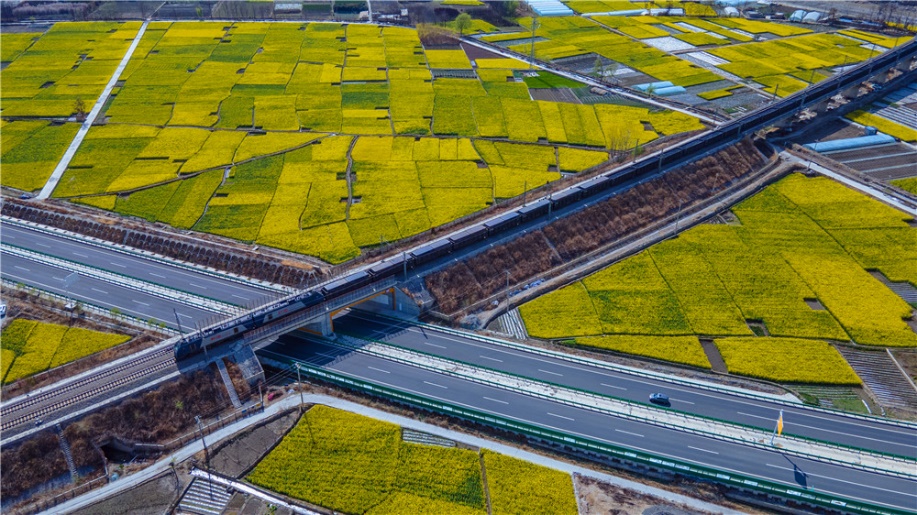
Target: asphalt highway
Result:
[866, 434]
[136, 266]
[103, 294]
[728, 457]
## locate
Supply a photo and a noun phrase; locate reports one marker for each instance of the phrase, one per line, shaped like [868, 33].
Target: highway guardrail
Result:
[714, 435]
[572, 358]
[602, 448]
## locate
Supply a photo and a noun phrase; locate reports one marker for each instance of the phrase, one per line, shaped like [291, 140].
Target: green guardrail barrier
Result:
[119, 274]
[590, 393]
[588, 444]
[572, 358]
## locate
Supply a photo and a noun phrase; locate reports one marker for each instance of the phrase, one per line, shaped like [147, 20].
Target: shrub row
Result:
[174, 246]
[484, 274]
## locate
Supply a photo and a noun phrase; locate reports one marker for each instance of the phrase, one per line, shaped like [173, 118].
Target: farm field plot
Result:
[354, 464]
[47, 75]
[321, 139]
[72, 60]
[787, 60]
[798, 240]
[575, 36]
[30, 347]
[786, 66]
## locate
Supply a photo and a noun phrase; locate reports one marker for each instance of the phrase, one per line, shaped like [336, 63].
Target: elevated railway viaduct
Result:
[315, 307]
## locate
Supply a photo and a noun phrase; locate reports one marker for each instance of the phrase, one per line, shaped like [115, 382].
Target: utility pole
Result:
[178, 321]
[507, 289]
[299, 385]
[532, 56]
[200, 427]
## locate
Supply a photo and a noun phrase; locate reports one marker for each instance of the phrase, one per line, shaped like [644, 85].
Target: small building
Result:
[549, 8]
[731, 12]
[812, 17]
[797, 16]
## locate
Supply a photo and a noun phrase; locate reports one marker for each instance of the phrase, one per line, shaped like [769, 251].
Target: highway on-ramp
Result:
[728, 457]
[864, 433]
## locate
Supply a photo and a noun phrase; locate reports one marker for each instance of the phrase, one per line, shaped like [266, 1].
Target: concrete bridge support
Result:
[392, 301]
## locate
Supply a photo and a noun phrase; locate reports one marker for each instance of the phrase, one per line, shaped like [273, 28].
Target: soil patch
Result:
[717, 364]
[597, 497]
[240, 454]
[151, 498]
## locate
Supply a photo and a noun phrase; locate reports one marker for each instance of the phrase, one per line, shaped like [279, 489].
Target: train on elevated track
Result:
[501, 225]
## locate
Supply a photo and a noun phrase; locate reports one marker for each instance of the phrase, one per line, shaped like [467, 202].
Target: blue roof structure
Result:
[654, 85]
[549, 8]
[850, 143]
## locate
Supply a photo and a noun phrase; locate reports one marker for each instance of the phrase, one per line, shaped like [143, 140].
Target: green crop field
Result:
[798, 239]
[30, 347]
[789, 65]
[317, 138]
[70, 61]
[615, 38]
[354, 464]
[889, 127]
[908, 184]
[786, 360]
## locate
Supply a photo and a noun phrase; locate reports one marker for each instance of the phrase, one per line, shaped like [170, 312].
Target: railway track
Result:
[85, 388]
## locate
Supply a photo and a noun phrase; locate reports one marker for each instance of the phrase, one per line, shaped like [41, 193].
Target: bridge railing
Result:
[600, 448]
[284, 324]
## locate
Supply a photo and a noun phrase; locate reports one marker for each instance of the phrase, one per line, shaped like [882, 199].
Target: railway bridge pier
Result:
[390, 300]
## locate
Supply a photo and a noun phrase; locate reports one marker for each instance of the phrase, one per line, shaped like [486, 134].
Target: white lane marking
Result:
[239, 296]
[185, 316]
[78, 254]
[560, 416]
[496, 400]
[702, 450]
[549, 372]
[198, 286]
[142, 303]
[490, 358]
[158, 275]
[43, 245]
[436, 385]
[755, 416]
[379, 370]
[613, 386]
[100, 291]
[118, 264]
[21, 268]
[665, 454]
[681, 401]
[433, 345]
[629, 433]
[808, 474]
[757, 403]
[796, 424]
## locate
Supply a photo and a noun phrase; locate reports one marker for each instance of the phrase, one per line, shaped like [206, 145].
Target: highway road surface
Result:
[135, 265]
[729, 457]
[103, 294]
[800, 421]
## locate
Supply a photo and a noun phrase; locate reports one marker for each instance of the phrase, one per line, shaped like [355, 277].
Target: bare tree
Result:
[79, 107]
